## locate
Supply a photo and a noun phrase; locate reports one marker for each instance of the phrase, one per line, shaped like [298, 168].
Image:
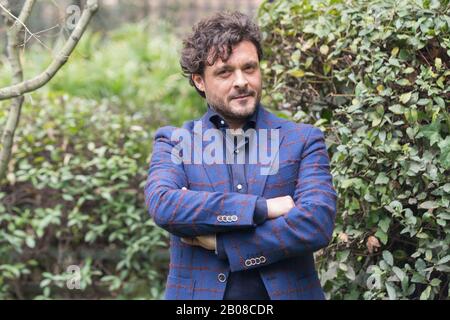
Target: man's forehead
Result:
[250, 54]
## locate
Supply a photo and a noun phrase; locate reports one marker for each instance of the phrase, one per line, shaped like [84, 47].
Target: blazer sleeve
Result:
[187, 213]
[305, 228]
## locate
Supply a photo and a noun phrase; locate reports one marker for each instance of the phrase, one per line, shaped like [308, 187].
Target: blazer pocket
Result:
[179, 288]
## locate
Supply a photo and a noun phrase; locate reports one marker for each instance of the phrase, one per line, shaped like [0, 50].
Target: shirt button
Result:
[236, 151]
[239, 186]
[222, 277]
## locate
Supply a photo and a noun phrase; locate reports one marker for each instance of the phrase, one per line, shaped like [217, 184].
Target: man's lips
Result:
[241, 97]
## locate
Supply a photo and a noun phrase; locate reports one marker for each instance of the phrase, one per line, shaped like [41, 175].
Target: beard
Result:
[232, 109]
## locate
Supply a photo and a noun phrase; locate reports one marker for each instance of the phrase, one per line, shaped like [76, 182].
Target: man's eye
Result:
[223, 73]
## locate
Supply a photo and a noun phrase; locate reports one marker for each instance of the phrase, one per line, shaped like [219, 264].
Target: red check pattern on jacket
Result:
[287, 243]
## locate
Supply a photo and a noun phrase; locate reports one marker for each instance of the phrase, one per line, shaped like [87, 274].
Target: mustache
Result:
[243, 93]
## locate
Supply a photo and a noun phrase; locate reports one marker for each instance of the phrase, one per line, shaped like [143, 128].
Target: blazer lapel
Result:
[217, 174]
[257, 173]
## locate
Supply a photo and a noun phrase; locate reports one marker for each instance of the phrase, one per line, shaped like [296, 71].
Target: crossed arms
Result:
[292, 228]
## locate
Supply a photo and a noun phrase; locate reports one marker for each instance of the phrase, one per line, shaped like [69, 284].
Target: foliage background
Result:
[373, 75]
[82, 151]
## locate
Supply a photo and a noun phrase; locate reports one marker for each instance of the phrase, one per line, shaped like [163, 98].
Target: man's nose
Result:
[240, 81]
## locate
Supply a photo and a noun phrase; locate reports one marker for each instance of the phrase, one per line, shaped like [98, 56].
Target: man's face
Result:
[233, 87]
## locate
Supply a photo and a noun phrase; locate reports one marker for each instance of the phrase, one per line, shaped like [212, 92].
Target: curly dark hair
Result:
[214, 37]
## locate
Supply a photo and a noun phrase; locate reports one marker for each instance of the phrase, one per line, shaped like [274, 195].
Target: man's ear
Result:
[198, 81]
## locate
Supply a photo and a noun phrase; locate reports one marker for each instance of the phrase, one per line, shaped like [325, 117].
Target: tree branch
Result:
[60, 59]
[19, 22]
[19, 86]
[17, 77]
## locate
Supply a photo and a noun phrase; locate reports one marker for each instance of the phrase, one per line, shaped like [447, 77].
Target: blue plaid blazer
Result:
[189, 200]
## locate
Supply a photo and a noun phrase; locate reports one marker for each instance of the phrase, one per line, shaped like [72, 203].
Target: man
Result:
[239, 230]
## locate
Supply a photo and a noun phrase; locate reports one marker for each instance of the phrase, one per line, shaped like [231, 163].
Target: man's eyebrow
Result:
[223, 68]
[227, 67]
[251, 64]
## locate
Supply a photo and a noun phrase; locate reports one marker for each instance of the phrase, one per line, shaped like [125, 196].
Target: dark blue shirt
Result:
[246, 284]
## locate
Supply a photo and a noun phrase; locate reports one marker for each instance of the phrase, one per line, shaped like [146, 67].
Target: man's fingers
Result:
[201, 241]
[191, 241]
[186, 240]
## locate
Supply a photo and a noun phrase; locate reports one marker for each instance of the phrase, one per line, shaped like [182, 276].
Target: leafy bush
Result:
[74, 191]
[375, 75]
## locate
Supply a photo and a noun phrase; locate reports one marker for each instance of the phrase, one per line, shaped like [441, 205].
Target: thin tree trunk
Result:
[19, 87]
[17, 76]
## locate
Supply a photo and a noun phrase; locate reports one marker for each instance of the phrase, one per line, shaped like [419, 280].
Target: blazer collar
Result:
[263, 119]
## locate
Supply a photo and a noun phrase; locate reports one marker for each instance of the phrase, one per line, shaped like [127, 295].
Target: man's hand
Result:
[208, 242]
[279, 206]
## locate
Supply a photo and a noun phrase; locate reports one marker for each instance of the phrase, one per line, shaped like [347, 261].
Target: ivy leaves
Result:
[376, 79]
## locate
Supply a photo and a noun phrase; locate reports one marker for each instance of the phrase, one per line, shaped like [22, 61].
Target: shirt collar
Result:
[217, 120]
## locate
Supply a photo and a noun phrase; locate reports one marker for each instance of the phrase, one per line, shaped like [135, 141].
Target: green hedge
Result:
[74, 194]
[375, 76]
